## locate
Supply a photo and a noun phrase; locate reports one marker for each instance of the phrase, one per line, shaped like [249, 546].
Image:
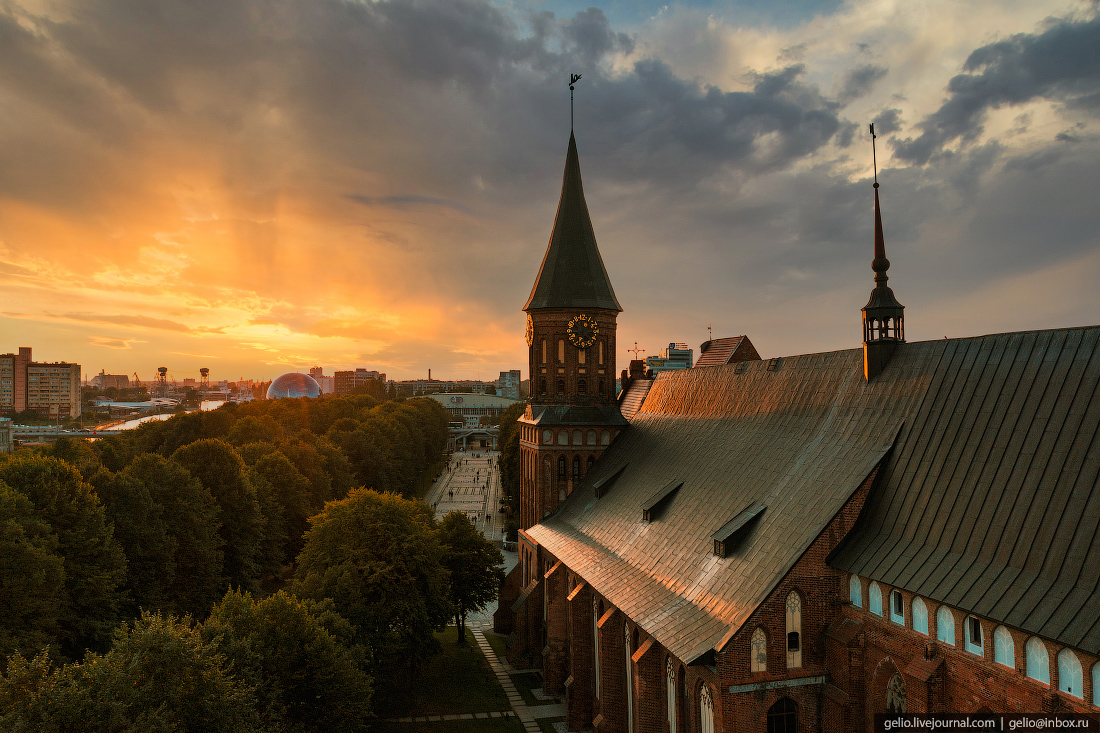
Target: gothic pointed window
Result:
[561, 468]
[1038, 661]
[576, 467]
[1004, 651]
[794, 630]
[1070, 678]
[670, 695]
[783, 716]
[590, 438]
[758, 653]
[945, 626]
[561, 387]
[855, 591]
[895, 695]
[706, 710]
[920, 617]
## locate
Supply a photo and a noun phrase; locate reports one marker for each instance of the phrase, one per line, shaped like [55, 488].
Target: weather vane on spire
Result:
[873, 158]
[573, 79]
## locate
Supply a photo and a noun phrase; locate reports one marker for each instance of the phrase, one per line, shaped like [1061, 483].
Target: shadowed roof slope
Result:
[991, 501]
[572, 273]
[798, 439]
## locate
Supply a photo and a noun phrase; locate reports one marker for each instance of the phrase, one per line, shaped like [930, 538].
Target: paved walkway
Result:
[527, 714]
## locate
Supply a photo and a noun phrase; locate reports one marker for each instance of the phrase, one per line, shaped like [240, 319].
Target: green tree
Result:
[379, 560]
[476, 567]
[225, 476]
[159, 676]
[191, 518]
[32, 577]
[291, 490]
[95, 566]
[305, 679]
[508, 440]
[76, 452]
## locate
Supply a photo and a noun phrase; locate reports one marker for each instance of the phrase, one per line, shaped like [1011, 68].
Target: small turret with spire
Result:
[883, 316]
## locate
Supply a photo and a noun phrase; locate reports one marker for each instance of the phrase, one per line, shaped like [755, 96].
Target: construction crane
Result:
[137, 381]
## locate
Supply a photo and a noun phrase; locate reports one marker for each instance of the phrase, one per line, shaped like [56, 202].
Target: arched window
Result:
[543, 352]
[561, 468]
[561, 351]
[1038, 661]
[590, 438]
[1070, 678]
[605, 437]
[582, 386]
[972, 631]
[945, 626]
[629, 679]
[1096, 684]
[897, 607]
[794, 630]
[563, 437]
[783, 716]
[1004, 651]
[895, 695]
[596, 642]
[547, 436]
[601, 353]
[561, 387]
[758, 653]
[706, 710]
[874, 601]
[855, 591]
[670, 695]
[920, 616]
[591, 460]
[542, 386]
[576, 467]
[576, 437]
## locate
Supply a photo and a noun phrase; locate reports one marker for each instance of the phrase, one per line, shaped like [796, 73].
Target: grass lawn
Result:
[458, 680]
[490, 725]
[525, 683]
[546, 725]
[499, 644]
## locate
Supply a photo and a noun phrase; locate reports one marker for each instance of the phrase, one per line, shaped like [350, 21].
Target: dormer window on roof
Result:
[655, 505]
[600, 487]
[726, 538]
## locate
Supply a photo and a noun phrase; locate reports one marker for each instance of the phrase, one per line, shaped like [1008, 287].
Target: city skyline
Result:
[262, 187]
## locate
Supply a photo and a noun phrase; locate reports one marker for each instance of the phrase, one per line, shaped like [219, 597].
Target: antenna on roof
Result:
[573, 79]
[874, 159]
[710, 333]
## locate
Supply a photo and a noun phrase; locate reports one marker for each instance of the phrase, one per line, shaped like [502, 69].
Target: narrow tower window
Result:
[794, 630]
[576, 467]
[561, 351]
[561, 468]
[581, 353]
[897, 607]
[974, 642]
[601, 353]
[544, 351]
[855, 591]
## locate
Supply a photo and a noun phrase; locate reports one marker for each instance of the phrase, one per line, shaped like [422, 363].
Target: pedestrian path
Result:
[528, 715]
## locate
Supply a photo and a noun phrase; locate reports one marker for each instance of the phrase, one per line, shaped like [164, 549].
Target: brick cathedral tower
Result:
[572, 415]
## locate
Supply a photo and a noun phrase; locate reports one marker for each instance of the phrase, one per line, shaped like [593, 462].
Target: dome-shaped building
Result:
[294, 384]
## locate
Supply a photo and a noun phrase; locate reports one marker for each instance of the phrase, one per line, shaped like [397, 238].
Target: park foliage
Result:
[263, 566]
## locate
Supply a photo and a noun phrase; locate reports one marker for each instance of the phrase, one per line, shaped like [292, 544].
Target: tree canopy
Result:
[475, 566]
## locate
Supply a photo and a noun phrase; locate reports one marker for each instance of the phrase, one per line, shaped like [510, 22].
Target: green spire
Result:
[572, 273]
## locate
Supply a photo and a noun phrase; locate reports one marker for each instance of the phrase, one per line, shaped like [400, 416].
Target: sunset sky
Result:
[264, 186]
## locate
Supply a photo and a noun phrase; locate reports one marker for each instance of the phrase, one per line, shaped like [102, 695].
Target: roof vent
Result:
[600, 487]
[655, 505]
[740, 368]
[774, 363]
[734, 530]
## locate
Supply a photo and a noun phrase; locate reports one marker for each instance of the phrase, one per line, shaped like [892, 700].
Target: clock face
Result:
[583, 331]
[530, 330]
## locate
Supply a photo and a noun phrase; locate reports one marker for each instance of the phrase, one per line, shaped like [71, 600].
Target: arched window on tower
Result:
[543, 352]
[783, 716]
[561, 351]
[591, 460]
[582, 386]
[1038, 661]
[576, 467]
[561, 468]
[601, 353]
[706, 710]
[1070, 678]
[561, 388]
[603, 388]
[582, 355]
[590, 438]
[794, 630]
[576, 437]
[758, 651]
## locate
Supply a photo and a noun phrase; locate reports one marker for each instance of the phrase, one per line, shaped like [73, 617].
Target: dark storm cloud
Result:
[858, 82]
[888, 121]
[1061, 64]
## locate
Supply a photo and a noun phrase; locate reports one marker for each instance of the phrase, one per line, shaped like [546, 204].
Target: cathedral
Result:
[798, 543]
